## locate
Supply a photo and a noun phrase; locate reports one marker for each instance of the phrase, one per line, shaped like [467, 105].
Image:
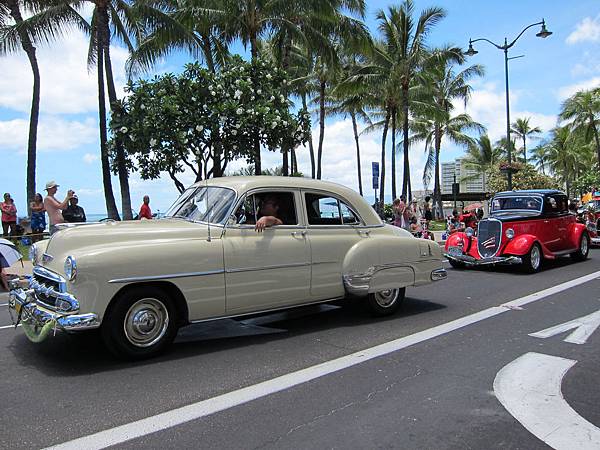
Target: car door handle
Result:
[299, 233]
[364, 232]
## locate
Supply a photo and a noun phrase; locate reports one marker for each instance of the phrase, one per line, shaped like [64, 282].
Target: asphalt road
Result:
[423, 382]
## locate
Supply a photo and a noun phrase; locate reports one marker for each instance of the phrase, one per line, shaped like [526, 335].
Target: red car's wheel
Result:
[532, 261]
[584, 248]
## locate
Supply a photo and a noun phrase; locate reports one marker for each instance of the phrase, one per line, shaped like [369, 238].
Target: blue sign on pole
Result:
[375, 166]
[375, 183]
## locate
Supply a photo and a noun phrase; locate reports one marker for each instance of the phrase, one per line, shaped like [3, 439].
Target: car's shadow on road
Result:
[84, 353]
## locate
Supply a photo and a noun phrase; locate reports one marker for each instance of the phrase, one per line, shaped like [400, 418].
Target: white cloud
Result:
[54, 134]
[66, 85]
[90, 158]
[586, 30]
[567, 91]
[488, 107]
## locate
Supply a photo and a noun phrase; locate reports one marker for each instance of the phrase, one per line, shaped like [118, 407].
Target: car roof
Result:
[543, 192]
[244, 184]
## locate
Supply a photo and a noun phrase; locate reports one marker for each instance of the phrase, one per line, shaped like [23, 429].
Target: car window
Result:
[327, 210]
[516, 203]
[348, 217]
[275, 203]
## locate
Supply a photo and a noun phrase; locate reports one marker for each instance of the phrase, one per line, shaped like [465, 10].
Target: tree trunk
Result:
[285, 166]
[406, 188]
[524, 150]
[310, 142]
[35, 104]
[358, 166]
[437, 192]
[111, 207]
[321, 126]
[382, 167]
[178, 184]
[207, 50]
[597, 138]
[394, 153]
[112, 99]
[294, 163]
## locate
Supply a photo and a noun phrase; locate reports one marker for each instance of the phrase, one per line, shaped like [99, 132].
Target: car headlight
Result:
[469, 232]
[33, 254]
[70, 268]
[509, 233]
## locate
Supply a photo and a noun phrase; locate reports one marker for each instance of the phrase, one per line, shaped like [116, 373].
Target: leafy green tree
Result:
[482, 156]
[582, 112]
[201, 120]
[523, 130]
[527, 177]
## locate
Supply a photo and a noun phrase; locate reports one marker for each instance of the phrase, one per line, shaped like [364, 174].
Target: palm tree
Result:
[351, 104]
[539, 156]
[482, 156]
[440, 86]
[582, 111]
[405, 43]
[14, 38]
[562, 155]
[523, 130]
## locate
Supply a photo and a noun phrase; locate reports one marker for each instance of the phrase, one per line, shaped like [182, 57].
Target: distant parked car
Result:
[524, 228]
[139, 281]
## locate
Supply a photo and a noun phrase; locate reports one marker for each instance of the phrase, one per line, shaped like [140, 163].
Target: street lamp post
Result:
[543, 33]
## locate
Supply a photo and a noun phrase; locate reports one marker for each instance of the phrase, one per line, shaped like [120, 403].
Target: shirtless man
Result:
[267, 213]
[54, 207]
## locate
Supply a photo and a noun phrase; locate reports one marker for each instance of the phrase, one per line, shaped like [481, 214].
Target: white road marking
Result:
[178, 416]
[3, 304]
[530, 389]
[584, 327]
[8, 326]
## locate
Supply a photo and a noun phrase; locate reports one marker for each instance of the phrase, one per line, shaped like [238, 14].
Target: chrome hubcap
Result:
[146, 322]
[386, 298]
[584, 246]
[535, 257]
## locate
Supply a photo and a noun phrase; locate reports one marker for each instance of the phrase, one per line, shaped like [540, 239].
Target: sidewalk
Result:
[18, 269]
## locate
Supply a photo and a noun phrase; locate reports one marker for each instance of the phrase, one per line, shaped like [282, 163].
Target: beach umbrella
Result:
[9, 254]
[472, 207]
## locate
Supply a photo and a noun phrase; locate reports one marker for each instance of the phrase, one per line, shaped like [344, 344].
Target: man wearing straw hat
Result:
[54, 207]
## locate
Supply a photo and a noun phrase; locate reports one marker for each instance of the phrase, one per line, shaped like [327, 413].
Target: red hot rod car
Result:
[524, 227]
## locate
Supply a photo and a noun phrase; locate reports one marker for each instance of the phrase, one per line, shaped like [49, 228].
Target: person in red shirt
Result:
[145, 211]
[9, 216]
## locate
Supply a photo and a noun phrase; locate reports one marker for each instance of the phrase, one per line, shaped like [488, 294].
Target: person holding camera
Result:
[53, 207]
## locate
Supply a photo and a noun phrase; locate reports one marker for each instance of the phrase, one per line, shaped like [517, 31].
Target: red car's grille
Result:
[489, 237]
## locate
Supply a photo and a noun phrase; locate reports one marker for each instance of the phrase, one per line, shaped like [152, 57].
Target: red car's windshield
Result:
[527, 203]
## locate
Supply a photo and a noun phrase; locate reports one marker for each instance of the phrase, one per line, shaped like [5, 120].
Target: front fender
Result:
[521, 245]
[456, 240]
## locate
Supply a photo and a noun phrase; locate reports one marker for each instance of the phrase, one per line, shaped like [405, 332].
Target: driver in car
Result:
[268, 213]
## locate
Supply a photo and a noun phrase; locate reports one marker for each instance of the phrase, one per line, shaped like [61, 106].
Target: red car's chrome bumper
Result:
[470, 261]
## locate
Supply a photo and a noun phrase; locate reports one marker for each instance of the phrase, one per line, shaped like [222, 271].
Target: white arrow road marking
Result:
[529, 389]
[584, 327]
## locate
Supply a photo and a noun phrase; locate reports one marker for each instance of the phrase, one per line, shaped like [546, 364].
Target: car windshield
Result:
[203, 204]
[522, 203]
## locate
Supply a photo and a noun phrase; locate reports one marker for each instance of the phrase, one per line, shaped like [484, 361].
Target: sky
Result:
[551, 70]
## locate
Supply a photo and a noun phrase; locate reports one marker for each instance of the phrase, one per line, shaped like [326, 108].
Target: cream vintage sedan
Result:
[208, 259]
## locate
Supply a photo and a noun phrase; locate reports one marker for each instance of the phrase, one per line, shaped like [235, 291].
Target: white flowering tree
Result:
[201, 121]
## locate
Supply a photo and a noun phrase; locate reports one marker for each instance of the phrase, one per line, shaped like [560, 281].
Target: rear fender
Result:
[388, 262]
[574, 233]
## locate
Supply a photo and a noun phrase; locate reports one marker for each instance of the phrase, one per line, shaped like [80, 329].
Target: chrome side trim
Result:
[166, 277]
[257, 268]
[439, 274]
[265, 311]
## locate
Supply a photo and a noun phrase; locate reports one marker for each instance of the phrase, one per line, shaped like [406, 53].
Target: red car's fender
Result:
[521, 245]
[460, 239]
[574, 234]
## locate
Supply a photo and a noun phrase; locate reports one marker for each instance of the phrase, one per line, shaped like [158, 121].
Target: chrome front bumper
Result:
[26, 308]
[595, 240]
[470, 261]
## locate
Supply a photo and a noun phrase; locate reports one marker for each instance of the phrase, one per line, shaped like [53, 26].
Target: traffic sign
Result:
[375, 166]
[375, 182]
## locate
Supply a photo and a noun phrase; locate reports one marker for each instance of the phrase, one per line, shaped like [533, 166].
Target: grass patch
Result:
[437, 225]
